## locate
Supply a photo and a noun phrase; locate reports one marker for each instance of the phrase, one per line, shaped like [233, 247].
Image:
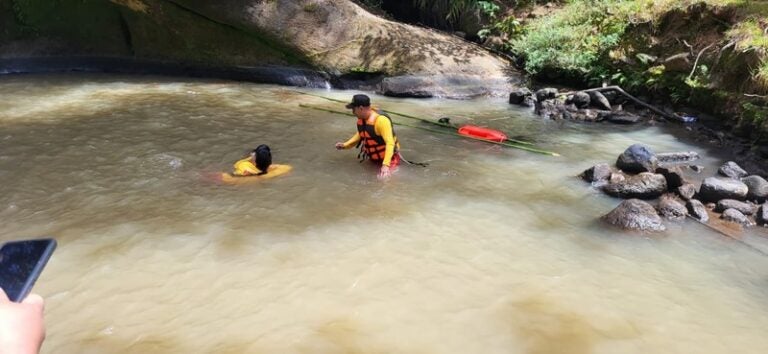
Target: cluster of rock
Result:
[641, 175]
[591, 106]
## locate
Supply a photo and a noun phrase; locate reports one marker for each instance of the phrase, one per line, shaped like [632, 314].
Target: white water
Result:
[487, 250]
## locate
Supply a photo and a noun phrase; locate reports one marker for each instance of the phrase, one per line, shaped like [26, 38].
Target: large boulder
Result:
[635, 214]
[714, 188]
[672, 208]
[338, 37]
[758, 188]
[637, 158]
[645, 185]
[697, 210]
[731, 169]
[744, 208]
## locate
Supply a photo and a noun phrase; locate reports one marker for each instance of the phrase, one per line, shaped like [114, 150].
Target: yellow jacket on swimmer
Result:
[245, 167]
[257, 162]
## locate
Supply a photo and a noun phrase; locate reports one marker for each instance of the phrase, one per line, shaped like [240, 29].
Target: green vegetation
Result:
[598, 40]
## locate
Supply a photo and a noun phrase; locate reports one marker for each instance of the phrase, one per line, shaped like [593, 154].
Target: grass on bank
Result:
[583, 39]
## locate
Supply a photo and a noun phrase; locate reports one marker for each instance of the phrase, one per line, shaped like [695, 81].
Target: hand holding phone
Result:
[22, 329]
[21, 317]
[21, 263]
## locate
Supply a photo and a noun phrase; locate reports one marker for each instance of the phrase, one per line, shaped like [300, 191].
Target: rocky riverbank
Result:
[657, 187]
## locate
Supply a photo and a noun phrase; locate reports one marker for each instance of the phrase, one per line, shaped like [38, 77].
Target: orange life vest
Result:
[372, 145]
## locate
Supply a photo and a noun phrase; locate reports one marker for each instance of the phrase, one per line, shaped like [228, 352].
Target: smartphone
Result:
[21, 263]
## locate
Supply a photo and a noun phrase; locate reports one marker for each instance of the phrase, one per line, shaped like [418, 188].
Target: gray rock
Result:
[580, 99]
[742, 207]
[696, 168]
[616, 178]
[686, 191]
[597, 173]
[731, 169]
[519, 95]
[678, 157]
[697, 210]
[736, 216]
[637, 158]
[546, 94]
[598, 100]
[645, 185]
[673, 175]
[585, 115]
[622, 118]
[714, 188]
[672, 208]
[758, 188]
[635, 214]
[551, 110]
[762, 215]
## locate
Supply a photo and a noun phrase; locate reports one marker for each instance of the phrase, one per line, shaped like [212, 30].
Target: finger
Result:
[3, 297]
[34, 300]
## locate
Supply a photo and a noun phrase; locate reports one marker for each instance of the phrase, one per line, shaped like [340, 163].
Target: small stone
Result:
[736, 216]
[697, 210]
[742, 207]
[686, 191]
[597, 173]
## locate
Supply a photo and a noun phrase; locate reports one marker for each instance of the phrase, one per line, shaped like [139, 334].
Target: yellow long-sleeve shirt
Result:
[245, 167]
[382, 128]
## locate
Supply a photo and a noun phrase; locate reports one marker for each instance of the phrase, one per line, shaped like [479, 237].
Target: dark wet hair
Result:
[263, 158]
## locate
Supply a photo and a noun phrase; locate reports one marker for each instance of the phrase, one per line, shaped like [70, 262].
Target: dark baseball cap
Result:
[359, 100]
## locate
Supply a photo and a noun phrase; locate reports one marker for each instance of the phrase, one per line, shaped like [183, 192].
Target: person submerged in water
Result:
[375, 135]
[255, 164]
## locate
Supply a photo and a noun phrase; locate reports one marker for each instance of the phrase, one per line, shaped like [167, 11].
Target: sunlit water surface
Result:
[486, 250]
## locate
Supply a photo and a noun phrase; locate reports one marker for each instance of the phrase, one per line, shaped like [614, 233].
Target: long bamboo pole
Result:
[444, 125]
[526, 148]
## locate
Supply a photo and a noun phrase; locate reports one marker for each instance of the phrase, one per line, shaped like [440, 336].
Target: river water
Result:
[486, 250]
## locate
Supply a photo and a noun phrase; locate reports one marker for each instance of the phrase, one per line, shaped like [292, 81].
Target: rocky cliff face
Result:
[335, 36]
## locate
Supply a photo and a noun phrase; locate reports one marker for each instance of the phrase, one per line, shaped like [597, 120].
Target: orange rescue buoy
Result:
[482, 133]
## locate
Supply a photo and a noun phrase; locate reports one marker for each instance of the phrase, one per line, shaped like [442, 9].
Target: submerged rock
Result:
[645, 185]
[714, 188]
[637, 158]
[635, 214]
[622, 118]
